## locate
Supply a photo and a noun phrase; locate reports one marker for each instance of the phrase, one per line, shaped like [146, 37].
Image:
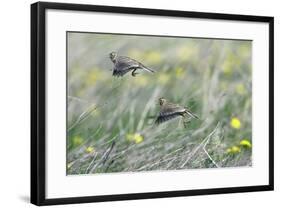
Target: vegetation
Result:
[111, 120]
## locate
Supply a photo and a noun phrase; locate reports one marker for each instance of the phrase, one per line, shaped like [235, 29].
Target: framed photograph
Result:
[133, 103]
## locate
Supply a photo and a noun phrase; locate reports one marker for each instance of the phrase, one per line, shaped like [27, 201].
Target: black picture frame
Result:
[38, 102]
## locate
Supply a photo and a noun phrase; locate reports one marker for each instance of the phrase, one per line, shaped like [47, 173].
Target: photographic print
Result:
[156, 103]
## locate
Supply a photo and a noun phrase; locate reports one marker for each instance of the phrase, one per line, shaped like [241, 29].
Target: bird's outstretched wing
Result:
[171, 108]
[168, 112]
[124, 61]
[118, 72]
[161, 119]
[123, 65]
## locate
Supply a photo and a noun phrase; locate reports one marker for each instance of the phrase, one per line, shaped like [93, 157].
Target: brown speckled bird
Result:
[123, 64]
[169, 111]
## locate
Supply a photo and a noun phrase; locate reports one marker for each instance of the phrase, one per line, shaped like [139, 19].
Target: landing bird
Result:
[169, 111]
[123, 64]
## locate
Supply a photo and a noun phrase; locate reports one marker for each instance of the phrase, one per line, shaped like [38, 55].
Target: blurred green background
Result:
[110, 119]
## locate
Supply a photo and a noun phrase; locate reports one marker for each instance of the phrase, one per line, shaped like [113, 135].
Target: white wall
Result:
[14, 110]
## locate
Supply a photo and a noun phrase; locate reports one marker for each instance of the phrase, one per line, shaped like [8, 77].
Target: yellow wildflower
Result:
[245, 143]
[240, 89]
[137, 138]
[235, 123]
[179, 72]
[90, 149]
[228, 150]
[229, 63]
[233, 150]
[77, 140]
[186, 52]
[163, 78]
[227, 68]
[93, 76]
[153, 57]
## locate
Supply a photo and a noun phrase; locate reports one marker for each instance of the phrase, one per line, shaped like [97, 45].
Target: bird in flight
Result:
[170, 111]
[123, 65]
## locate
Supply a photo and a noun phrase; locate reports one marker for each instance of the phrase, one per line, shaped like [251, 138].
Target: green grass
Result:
[111, 120]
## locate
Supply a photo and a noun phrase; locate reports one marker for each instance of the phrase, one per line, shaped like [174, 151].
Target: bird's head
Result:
[113, 56]
[162, 101]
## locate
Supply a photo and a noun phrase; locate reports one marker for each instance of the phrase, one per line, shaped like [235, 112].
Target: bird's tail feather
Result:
[191, 114]
[147, 69]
